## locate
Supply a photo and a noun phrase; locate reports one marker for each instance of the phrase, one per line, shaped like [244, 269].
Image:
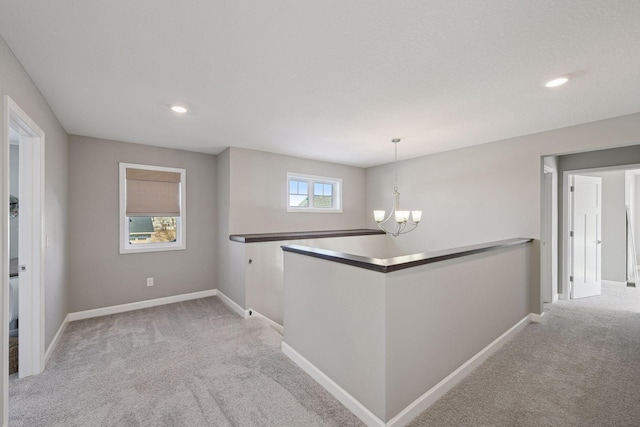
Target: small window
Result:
[298, 194]
[152, 208]
[309, 193]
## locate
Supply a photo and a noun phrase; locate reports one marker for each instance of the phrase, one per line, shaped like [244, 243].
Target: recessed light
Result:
[178, 109]
[557, 81]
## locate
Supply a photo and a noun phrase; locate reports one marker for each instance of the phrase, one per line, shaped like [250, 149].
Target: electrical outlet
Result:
[149, 281]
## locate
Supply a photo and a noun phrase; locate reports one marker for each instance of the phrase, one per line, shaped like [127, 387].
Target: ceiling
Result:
[332, 80]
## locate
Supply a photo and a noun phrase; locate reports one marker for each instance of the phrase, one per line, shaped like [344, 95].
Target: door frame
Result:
[31, 350]
[4, 278]
[566, 248]
[629, 200]
[566, 215]
[548, 235]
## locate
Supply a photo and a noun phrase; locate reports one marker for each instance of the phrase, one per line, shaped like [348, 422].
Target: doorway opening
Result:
[14, 228]
[619, 253]
[600, 259]
[24, 148]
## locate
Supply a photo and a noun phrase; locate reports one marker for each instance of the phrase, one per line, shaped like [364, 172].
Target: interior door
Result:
[586, 243]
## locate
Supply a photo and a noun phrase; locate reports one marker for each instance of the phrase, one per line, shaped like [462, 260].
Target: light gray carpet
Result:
[198, 364]
[194, 363]
[579, 367]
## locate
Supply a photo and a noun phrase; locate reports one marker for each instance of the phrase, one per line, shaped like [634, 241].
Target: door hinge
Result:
[571, 188]
[571, 278]
[571, 234]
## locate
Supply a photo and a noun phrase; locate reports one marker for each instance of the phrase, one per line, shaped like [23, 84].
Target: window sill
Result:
[313, 210]
[138, 250]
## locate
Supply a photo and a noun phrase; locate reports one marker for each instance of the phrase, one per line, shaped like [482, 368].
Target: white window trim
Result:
[181, 224]
[311, 179]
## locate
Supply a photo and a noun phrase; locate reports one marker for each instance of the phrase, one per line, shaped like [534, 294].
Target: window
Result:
[307, 193]
[298, 193]
[152, 208]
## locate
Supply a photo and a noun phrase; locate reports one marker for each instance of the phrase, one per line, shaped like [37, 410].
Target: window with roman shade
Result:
[152, 193]
[152, 208]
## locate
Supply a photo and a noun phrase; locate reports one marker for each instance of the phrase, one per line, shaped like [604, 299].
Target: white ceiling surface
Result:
[331, 80]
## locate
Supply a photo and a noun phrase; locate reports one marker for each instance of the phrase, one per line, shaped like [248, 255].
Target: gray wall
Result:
[252, 187]
[264, 276]
[231, 271]
[392, 346]
[613, 225]
[335, 318]
[259, 194]
[607, 157]
[15, 82]
[486, 192]
[468, 196]
[99, 275]
[421, 350]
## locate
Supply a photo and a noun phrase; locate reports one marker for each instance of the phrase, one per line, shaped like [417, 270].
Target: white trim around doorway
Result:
[32, 146]
[31, 348]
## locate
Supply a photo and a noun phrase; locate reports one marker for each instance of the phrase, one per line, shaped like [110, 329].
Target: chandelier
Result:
[397, 222]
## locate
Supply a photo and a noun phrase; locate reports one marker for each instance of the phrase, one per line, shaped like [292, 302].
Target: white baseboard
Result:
[54, 341]
[421, 403]
[554, 298]
[536, 318]
[437, 391]
[105, 311]
[613, 283]
[358, 409]
[233, 305]
[278, 327]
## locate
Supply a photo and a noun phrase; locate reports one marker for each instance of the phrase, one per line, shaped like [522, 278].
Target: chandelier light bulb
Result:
[402, 216]
[378, 215]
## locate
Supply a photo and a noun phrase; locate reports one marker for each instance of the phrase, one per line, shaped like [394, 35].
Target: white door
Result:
[586, 209]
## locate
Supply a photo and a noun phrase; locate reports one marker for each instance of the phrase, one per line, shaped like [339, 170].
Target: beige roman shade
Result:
[152, 193]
